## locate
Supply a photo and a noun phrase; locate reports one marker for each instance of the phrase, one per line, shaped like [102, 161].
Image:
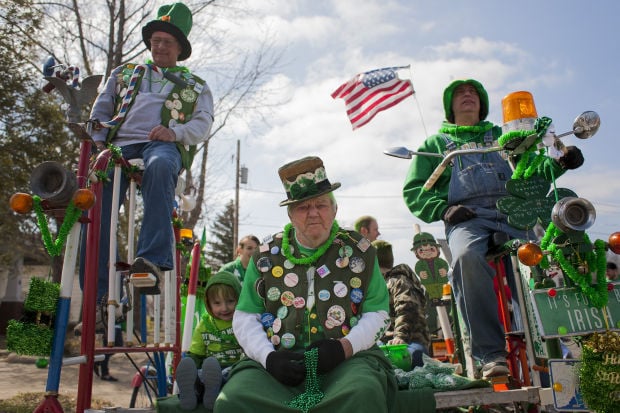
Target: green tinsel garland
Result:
[54, 248]
[525, 167]
[599, 372]
[597, 295]
[286, 250]
[42, 296]
[29, 339]
[312, 394]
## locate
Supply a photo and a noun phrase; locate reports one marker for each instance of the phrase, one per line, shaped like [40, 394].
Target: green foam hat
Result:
[449, 92]
[174, 19]
[423, 238]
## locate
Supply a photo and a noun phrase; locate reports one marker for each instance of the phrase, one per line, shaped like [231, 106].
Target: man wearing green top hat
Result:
[157, 111]
[464, 197]
[313, 302]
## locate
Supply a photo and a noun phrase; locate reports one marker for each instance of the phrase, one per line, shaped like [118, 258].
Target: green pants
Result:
[363, 383]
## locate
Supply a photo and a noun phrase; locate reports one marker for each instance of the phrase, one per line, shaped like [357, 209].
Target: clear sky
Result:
[564, 52]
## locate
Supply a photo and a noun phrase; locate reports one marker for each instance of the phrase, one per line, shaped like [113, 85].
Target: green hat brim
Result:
[448, 95]
[334, 186]
[162, 26]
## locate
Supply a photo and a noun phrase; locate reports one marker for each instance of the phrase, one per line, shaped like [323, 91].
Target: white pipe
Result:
[112, 284]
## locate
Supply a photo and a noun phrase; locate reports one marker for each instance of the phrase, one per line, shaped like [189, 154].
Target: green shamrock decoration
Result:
[530, 202]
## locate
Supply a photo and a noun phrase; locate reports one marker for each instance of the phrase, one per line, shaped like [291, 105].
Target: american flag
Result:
[368, 93]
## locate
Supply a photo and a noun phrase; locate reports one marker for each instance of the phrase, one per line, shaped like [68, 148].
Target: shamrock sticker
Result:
[530, 202]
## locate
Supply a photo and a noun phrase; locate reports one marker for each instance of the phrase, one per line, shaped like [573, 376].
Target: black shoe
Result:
[107, 377]
[144, 266]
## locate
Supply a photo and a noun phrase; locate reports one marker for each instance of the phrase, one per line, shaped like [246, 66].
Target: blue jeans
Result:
[472, 280]
[162, 164]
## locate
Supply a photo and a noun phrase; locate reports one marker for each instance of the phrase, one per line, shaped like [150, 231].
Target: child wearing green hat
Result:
[213, 347]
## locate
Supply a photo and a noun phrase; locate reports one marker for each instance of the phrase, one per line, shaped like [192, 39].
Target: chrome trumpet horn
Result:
[572, 213]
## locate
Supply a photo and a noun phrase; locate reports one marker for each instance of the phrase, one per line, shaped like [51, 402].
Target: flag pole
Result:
[418, 104]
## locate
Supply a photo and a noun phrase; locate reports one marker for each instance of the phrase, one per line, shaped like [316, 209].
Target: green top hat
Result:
[449, 92]
[175, 19]
[305, 179]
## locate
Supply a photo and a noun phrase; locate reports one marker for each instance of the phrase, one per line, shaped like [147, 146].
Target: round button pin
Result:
[282, 312]
[356, 264]
[277, 325]
[340, 289]
[355, 282]
[345, 251]
[299, 302]
[288, 340]
[291, 279]
[342, 262]
[336, 315]
[277, 271]
[287, 298]
[260, 287]
[273, 294]
[357, 295]
[266, 319]
[264, 264]
[324, 295]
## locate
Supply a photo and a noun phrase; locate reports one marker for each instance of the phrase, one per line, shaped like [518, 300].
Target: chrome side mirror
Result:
[586, 124]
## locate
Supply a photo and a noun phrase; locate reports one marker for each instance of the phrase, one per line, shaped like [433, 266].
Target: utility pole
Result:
[236, 218]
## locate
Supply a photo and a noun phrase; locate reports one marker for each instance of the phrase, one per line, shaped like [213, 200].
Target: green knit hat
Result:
[175, 19]
[423, 238]
[227, 278]
[449, 92]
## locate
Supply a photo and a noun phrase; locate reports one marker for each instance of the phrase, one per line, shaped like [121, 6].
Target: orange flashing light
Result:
[21, 203]
[530, 254]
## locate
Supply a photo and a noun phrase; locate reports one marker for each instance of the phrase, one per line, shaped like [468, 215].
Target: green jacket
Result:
[430, 205]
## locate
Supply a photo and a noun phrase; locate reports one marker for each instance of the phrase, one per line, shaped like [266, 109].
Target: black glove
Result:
[572, 159]
[331, 353]
[287, 367]
[456, 214]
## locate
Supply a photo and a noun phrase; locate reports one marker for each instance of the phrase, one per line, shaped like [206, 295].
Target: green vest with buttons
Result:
[341, 279]
[178, 107]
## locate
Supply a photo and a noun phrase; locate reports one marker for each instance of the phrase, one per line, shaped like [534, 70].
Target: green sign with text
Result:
[569, 312]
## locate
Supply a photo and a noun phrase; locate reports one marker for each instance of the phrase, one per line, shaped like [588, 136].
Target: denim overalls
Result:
[478, 181]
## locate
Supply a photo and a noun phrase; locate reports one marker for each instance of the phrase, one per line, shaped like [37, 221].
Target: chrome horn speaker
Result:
[571, 213]
[53, 183]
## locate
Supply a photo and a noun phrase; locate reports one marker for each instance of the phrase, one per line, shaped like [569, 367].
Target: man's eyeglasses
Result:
[155, 41]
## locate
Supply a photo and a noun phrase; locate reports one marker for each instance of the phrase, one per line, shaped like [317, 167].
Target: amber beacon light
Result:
[519, 111]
